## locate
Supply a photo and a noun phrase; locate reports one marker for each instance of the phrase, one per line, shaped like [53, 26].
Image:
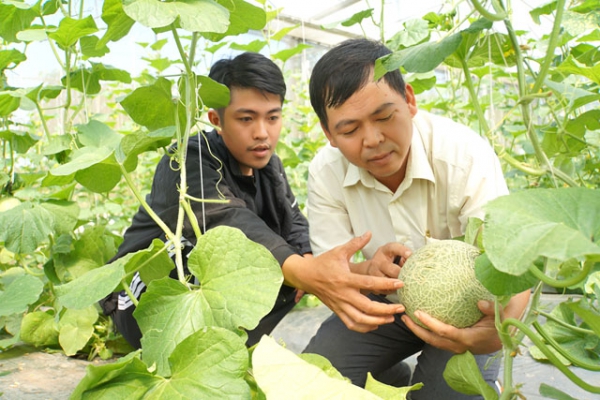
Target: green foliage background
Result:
[73, 177]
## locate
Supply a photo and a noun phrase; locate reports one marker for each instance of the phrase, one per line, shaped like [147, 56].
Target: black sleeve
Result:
[218, 183]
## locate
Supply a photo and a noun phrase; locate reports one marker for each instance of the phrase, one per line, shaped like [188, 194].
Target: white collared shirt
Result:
[452, 173]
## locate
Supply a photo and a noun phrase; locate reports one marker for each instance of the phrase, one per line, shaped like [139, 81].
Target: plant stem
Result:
[550, 340]
[144, 204]
[562, 323]
[127, 290]
[563, 283]
[499, 16]
[552, 42]
[549, 354]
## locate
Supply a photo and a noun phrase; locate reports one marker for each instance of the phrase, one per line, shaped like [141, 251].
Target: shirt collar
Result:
[418, 165]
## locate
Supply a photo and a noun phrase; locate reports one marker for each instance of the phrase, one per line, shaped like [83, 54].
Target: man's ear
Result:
[328, 134]
[215, 119]
[411, 100]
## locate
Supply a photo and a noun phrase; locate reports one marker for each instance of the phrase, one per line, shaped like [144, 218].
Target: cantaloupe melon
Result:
[439, 278]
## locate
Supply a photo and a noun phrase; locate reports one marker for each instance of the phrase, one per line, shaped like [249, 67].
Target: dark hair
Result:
[344, 70]
[249, 70]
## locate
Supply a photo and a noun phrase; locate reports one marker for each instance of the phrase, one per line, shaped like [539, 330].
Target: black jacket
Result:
[275, 221]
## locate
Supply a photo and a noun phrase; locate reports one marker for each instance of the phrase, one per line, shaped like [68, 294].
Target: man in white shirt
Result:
[407, 177]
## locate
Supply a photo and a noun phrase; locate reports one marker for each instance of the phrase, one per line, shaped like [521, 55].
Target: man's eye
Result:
[274, 118]
[386, 118]
[348, 133]
[245, 119]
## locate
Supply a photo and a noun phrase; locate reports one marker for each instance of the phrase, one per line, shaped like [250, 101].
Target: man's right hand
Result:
[329, 277]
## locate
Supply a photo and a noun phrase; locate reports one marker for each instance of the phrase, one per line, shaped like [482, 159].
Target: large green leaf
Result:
[20, 293]
[243, 17]
[239, 281]
[500, 283]
[212, 93]
[152, 106]
[25, 227]
[76, 328]
[90, 287]
[389, 392]
[209, 364]
[81, 159]
[280, 372]
[415, 31]
[571, 66]
[239, 278]
[554, 223]
[87, 80]
[11, 58]
[425, 57]
[152, 263]
[66, 215]
[9, 102]
[139, 142]
[463, 375]
[15, 17]
[39, 328]
[92, 250]
[71, 30]
[194, 15]
[98, 134]
[117, 21]
[101, 177]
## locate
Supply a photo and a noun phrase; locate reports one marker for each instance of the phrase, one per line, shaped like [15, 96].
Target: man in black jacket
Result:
[238, 162]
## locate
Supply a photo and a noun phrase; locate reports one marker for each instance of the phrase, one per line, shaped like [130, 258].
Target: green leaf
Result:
[56, 144]
[552, 393]
[71, 30]
[118, 23]
[254, 47]
[81, 159]
[587, 314]
[572, 66]
[90, 287]
[243, 17]
[423, 57]
[9, 102]
[213, 94]
[289, 156]
[280, 34]
[76, 328]
[65, 215]
[286, 54]
[11, 58]
[389, 392]
[151, 106]
[25, 227]
[101, 177]
[546, 9]
[415, 31]
[209, 364]
[500, 283]
[554, 223]
[92, 250]
[137, 143]
[98, 379]
[39, 329]
[280, 372]
[356, 18]
[14, 19]
[153, 263]
[233, 293]
[19, 294]
[575, 97]
[83, 80]
[90, 47]
[240, 279]
[33, 35]
[98, 134]
[463, 375]
[194, 15]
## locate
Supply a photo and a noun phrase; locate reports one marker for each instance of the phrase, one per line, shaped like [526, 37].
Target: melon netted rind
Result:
[439, 279]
